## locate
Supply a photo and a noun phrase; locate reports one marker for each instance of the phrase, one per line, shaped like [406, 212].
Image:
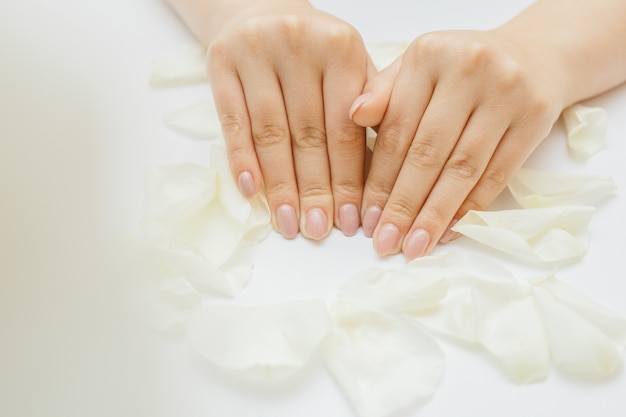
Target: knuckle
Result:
[309, 137]
[391, 140]
[495, 178]
[424, 154]
[269, 135]
[280, 190]
[401, 209]
[436, 215]
[232, 124]
[349, 136]
[314, 191]
[462, 166]
[378, 189]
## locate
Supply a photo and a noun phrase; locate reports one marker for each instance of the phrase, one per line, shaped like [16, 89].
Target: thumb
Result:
[369, 108]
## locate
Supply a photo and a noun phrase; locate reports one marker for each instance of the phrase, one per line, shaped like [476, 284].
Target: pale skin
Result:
[458, 113]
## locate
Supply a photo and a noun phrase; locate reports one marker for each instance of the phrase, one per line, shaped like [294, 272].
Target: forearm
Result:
[207, 18]
[584, 39]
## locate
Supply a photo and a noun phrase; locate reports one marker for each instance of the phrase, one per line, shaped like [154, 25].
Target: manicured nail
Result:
[387, 239]
[246, 184]
[349, 219]
[416, 244]
[287, 221]
[358, 103]
[316, 223]
[370, 220]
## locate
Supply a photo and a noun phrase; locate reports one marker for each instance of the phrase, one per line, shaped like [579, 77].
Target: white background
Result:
[78, 127]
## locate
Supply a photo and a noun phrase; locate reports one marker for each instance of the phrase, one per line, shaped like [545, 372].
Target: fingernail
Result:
[316, 223]
[387, 239]
[450, 234]
[358, 103]
[370, 220]
[417, 243]
[246, 184]
[349, 219]
[287, 221]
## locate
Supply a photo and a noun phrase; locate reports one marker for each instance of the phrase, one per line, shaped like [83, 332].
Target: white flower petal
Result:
[383, 364]
[185, 65]
[200, 209]
[228, 278]
[532, 188]
[198, 121]
[550, 234]
[415, 288]
[586, 340]
[260, 342]
[586, 128]
[509, 327]
[384, 53]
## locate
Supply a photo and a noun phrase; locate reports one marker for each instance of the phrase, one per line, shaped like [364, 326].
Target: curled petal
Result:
[586, 340]
[532, 188]
[586, 129]
[260, 342]
[550, 234]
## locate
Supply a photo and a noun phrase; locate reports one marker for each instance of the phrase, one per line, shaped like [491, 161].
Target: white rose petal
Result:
[586, 129]
[550, 234]
[404, 290]
[198, 121]
[586, 340]
[200, 209]
[487, 306]
[383, 364]
[384, 53]
[229, 278]
[533, 189]
[509, 327]
[185, 65]
[260, 342]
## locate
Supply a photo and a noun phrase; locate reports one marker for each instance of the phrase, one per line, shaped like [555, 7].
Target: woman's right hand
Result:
[283, 78]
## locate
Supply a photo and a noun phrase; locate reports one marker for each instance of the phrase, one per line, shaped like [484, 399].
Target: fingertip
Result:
[316, 224]
[247, 185]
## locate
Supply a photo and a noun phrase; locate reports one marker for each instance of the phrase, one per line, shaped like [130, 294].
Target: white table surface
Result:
[75, 105]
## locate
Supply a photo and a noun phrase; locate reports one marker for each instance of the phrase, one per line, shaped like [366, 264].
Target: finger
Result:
[369, 108]
[458, 177]
[302, 91]
[438, 132]
[395, 134]
[272, 142]
[510, 154]
[232, 111]
[346, 142]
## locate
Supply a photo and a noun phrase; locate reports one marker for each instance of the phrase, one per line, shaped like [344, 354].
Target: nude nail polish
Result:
[349, 219]
[287, 221]
[387, 239]
[416, 244]
[358, 103]
[370, 220]
[246, 184]
[316, 223]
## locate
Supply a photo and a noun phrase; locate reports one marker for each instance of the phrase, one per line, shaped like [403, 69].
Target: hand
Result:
[283, 80]
[459, 112]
